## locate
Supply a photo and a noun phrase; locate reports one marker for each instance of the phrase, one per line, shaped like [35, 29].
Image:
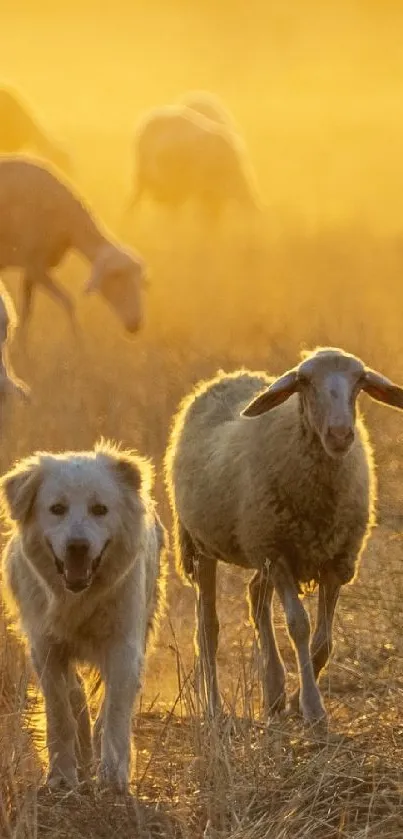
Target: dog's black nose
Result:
[78, 548]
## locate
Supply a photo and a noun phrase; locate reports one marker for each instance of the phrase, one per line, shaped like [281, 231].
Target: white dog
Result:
[85, 570]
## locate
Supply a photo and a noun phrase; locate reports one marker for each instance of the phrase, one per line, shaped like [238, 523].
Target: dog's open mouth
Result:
[77, 582]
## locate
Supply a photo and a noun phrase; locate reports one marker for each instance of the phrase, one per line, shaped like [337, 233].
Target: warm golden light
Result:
[313, 92]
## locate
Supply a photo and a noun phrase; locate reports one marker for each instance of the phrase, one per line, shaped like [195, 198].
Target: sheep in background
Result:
[181, 155]
[20, 131]
[276, 475]
[208, 105]
[41, 219]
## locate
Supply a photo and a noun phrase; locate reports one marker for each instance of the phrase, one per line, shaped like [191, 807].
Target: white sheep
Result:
[289, 494]
[181, 155]
[41, 220]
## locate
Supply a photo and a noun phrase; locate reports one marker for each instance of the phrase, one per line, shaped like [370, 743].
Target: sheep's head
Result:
[119, 276]
[328, 382]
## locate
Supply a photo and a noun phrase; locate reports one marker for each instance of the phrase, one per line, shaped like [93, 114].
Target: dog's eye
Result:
[58, 509]
[98, 510]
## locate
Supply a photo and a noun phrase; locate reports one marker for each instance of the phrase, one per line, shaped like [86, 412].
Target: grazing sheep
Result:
[41, 219]
[208, 105]
[181, 155]
[289, 493]
[8, 380]
[20, 131]
[84, 572]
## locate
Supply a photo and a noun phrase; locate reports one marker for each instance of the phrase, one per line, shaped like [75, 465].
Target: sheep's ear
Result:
[277, 393]
[19, 487]
[382, 389]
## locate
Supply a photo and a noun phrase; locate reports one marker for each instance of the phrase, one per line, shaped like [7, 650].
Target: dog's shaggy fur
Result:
[84, 570]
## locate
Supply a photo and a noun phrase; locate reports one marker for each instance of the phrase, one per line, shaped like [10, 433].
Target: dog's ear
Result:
[129, 471]
[18, 488]
[135, 472]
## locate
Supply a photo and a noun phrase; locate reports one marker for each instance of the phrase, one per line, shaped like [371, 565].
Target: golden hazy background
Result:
[316, 90]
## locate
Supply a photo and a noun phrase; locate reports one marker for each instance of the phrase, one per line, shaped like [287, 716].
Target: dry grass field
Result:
[324, 265]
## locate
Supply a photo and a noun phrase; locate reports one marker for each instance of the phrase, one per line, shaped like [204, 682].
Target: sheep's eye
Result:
[98, 510]
[58, 509]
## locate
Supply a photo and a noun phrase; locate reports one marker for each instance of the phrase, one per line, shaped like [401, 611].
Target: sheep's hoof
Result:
[311, 712]
[315, 720]
[278, 707]
[112, 780]
[293, 706]
[317, 731]
[60, 782]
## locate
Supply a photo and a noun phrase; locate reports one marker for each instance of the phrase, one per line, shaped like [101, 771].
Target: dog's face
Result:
[76, 507]
[77, 511]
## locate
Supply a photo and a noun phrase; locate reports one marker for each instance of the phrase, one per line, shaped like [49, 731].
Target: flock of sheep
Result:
[275, 475]
[182, 152]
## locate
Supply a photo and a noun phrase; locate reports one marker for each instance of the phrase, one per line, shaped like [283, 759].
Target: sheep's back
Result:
[205, 457]
[37, 214]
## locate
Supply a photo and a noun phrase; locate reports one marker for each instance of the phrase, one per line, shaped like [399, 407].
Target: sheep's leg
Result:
[28, 285]
[206, 637]
[322, 641]
[261, 590]
[310, 701]
[97, 734]
[35, 277]
[61, 296]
